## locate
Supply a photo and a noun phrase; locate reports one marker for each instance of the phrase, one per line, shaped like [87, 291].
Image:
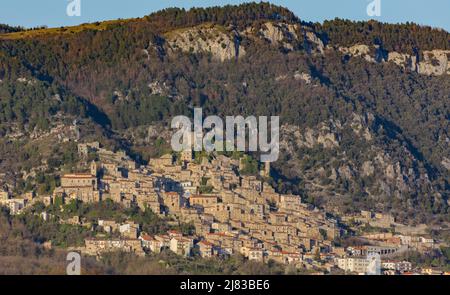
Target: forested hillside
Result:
[8, 29]
[359, 133]
[409, 38]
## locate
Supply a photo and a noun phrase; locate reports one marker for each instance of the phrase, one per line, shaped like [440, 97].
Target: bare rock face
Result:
[385, 175]
[298, 76]
[328, 134]
[435, 63]
[367, 168]
[27, 81]
[390, 171]
[359, 50]
[314, 39]
[273, 32]
[360, 125]
[223, 45]
[323, 134]
[328, 140]
[346, 172]
[278, 34]
[446, 163]
[403, 60]
[119, 95]
[303, 76]
[403, 177]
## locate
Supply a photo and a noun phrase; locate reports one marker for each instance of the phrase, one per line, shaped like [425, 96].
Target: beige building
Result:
[203, 200]
[99, 247]
[172, 200]
[153, 244]
[206, 249]
[81, 186]
[181, 245]
[354, 264]
[165, 160]
[78, 180]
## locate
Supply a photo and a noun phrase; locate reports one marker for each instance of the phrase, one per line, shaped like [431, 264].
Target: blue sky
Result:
[31, 13]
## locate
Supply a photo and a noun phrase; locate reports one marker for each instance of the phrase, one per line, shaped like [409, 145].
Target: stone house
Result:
[165, 160]
[152, 244]
[79, 180]
[164, 241]
[99, 247]
[129, 230]
[172, 200]
[203, 200]
[206, 249]
[181, 245]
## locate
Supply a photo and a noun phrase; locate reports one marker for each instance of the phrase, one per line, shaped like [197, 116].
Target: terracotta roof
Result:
[147, 238]
[206, 243]
[172, 193]
[289, 253]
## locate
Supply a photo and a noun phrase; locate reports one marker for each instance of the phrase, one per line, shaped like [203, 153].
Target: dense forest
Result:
[116, 77]
[238, 16]
[408, 38]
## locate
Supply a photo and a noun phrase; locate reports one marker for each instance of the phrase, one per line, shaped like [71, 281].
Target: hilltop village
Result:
[232, 214]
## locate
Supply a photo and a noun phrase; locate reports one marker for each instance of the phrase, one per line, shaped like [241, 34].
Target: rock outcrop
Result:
[404, 60]
[446, 163]
[303, 76]
[278, 34]
[434, 63]
[358, 50]
[222, 44]
[324, 134]
[313, 39]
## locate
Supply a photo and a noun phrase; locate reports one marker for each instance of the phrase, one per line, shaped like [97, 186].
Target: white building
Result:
[400, 266]
[358, 265]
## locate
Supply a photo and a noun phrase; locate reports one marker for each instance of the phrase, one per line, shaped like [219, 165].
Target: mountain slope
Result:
[364, 105]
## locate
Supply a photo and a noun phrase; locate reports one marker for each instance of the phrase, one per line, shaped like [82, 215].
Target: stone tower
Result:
[94, 168]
